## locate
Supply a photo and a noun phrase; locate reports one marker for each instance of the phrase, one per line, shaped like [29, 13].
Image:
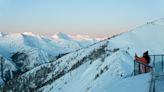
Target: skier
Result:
[145, 59]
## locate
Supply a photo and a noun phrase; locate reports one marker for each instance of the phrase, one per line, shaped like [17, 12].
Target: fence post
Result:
[162, 63]
[139, 69]
[154, 86]
[145, 69]
[134, 68]
[154, 63]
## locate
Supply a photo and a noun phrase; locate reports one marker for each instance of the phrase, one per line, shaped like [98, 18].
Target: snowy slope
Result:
[33, 48]
[47, 73]
[2, 34]
[27, 50]
[147, 37]
[85, 66]
[43, 43]
[11, 43]
[112, 69]
[140, 83]
[71, 42]
[106, 66]
[6, 69]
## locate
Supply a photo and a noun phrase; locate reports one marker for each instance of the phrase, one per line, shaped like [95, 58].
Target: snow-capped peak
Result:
[2, 34]
[69, 41]
[29, 33]
[61, 35]
[83, 37]
[78, 37]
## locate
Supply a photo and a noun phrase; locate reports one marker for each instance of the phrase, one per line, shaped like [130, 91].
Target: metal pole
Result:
[162, 63]
[154, 86]
[154, 64]
[139, 69]
[134, 68]
[145, 69]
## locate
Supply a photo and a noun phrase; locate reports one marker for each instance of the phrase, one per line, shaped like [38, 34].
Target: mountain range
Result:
[63, 63]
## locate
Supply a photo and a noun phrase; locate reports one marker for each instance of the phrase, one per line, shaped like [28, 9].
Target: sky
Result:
[97, 18]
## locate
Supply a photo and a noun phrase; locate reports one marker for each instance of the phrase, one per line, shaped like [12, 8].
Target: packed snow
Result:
[89, 66]
[140, 83]
[147, 37]
[83, 78]
[159, 85]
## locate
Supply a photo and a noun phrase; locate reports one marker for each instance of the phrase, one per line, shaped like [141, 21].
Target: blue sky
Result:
[97, 18]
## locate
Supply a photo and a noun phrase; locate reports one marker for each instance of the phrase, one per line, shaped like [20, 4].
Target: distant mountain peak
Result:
[28, 33]
[61, 35]
[78, 37]
[82, 37]
[2, 34]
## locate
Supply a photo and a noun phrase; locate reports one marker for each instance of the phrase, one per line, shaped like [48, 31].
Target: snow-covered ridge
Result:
[98, 56]
[158, 22]
[26, 50]
[10, 43]
[101, 67]
[61, 35]
[78, 42]
[147, 37]
[2, 34]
